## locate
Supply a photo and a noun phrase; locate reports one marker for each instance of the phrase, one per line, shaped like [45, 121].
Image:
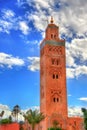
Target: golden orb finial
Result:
[51, 21]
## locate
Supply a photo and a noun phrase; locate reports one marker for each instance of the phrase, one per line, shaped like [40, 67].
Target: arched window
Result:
[57, 99]
[54, 99]
[51, 35]
[53, 76]
[53, 61]
[57, 62]
[56, 76]
[54, 36]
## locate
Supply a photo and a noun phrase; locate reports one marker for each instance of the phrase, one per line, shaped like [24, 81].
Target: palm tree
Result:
[15, 111]
[85, 117]
[10, 119]
[33, 117]
[2, 113]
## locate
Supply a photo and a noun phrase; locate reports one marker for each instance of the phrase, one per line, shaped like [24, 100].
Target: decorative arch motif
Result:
[55, 49]
[55, 96]
[56, 73]
[60, 119]
[55, 61]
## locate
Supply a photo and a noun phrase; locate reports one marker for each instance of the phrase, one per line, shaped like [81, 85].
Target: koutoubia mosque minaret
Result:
[53, 91]
[53, 101]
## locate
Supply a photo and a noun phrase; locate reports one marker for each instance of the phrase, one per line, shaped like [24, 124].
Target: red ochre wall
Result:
[75, 123]
[13, 126]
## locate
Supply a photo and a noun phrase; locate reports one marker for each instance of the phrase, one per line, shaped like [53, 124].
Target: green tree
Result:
[21, 127]
[55, 124]
[2, 113]
[5, 121]
[15, 111]
[85, 117]
[10, 119]
[33, 117]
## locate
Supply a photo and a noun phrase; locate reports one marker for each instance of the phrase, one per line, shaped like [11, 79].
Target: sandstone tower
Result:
[53, 91]
[53, 77]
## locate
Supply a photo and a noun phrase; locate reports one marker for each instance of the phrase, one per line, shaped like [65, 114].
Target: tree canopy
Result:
[84, 110]
[15, 111]
[33, 117]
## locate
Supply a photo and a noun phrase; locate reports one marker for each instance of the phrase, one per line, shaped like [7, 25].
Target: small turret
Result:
[51, 21]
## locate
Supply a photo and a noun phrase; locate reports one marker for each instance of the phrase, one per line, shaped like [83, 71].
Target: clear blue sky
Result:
[22, 26]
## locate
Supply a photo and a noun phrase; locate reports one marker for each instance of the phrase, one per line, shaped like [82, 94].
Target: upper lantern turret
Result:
[51, 21]
[52, 35]
[52, 31]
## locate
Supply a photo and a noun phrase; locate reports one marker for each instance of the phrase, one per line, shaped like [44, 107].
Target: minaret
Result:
[53, 93]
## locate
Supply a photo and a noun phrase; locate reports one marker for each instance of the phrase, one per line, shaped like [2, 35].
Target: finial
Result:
[51, 19]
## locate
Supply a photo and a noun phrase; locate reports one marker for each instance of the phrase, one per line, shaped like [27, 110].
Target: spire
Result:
[51, 21]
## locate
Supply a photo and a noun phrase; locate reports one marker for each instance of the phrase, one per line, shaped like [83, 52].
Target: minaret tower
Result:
[53, 93]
